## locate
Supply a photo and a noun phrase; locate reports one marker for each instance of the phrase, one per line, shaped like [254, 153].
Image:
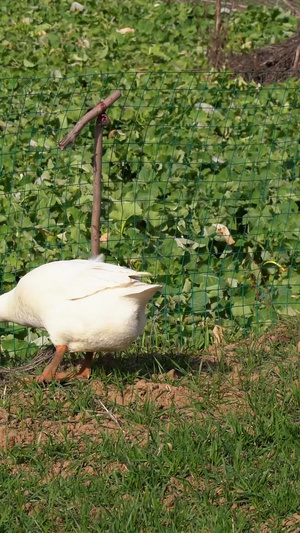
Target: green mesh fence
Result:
[185, 151]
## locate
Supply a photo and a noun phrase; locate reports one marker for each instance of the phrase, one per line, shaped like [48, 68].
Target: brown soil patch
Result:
[175, 490]
[164, 395]
[270, 64]
[116, 467]
[275, 337]
[37, 432]
[292, 523]
[17, 429]
[68, 468]
[28, 419]
[274, 63]
[3, 415]
[278, 336]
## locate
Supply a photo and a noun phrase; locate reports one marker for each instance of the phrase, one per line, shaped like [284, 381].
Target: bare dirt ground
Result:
[165, 391]
[118, 428]
[270, 64]
[15, 430]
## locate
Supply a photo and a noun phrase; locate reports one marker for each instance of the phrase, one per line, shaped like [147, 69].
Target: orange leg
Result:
[49, 372]
[84, 371]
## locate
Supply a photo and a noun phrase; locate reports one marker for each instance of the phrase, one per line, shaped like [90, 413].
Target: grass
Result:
[212, 448]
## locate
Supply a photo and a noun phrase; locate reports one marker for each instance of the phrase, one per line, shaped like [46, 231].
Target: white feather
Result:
[86, 305]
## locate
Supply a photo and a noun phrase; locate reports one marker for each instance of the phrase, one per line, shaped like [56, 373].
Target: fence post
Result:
[102, 120]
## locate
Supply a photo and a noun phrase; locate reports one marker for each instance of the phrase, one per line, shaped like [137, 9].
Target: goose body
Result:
[84, 305]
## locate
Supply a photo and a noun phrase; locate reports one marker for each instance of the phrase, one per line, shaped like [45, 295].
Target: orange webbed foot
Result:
[49, 374]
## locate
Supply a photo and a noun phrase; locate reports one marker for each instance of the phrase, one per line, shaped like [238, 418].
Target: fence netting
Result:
[187, 154]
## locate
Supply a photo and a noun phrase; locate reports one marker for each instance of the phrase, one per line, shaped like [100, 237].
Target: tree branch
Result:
[218, 19]
[90, 115]
[101, 121]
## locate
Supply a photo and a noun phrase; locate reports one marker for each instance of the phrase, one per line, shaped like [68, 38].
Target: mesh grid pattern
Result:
[185, 151]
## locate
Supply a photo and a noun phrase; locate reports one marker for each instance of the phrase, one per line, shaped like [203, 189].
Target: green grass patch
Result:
[210, 448]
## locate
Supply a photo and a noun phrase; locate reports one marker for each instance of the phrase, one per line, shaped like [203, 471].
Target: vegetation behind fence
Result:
[185, 151]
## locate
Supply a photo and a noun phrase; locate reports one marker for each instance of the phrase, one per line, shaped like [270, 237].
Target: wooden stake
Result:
[218, 21]
[90, 115]
[101, 121]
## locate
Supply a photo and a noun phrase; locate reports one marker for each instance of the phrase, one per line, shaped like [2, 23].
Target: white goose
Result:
[85, 305]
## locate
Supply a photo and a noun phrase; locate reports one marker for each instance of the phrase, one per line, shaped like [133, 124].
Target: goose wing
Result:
[95, 276]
